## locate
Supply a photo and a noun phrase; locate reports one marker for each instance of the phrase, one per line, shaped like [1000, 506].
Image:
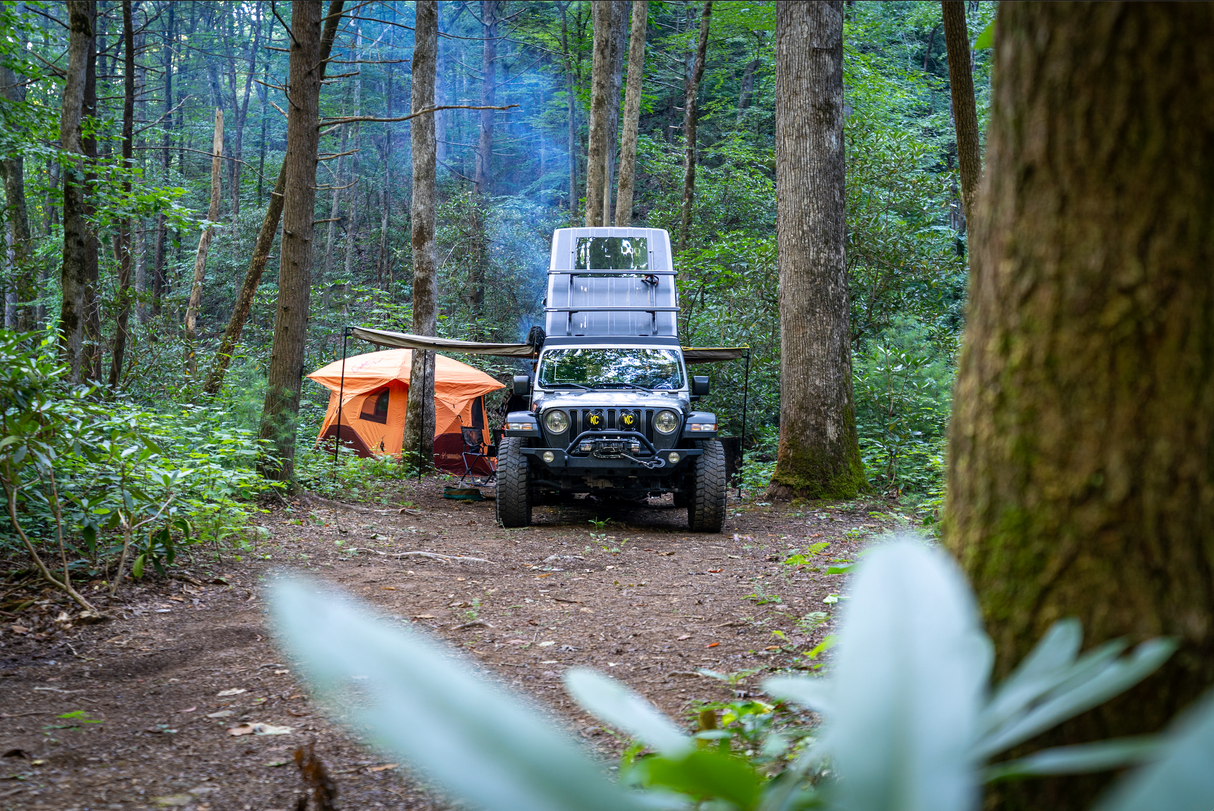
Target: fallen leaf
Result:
[424, 617]
[547, 643]
[383, 768]
[715, 571]
[259, 728]
[816, 535]
[20, 629]
[190, 709]
[546, 574]
[713, 644]
[282, 672]
[274, 763]
[177, 599]
[684, 636]
[221, 714]
[174, 800]
[235, 691]
[387, 588]
[772, 647]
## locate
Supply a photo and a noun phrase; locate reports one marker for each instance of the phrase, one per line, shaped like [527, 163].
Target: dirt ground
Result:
[136, 711]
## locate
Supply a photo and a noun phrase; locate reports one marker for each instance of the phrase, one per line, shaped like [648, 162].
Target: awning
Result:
[403, 340]
[709, 354]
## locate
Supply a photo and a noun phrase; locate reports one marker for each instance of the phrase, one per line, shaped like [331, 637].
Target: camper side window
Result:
[375, 407]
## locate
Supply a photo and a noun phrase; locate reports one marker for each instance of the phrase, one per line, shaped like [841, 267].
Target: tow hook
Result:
[652, 464]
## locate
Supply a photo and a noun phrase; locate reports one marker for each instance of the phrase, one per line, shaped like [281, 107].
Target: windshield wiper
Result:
[629, 385]
[567, 386]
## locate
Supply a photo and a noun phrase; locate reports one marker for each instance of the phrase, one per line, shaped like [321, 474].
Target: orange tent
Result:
[373, 403]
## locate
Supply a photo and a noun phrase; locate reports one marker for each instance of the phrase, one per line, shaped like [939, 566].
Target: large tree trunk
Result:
[571, 111]
[419, 411]
[126, 226]
[265, 237]
[619, 28]
[23, 288]
[1081, 463]
[632, 113]
[285, 374]
[73, 276]
[600, 114]
[819, 453]
[204, 246]
[965, 115]
[691, 89]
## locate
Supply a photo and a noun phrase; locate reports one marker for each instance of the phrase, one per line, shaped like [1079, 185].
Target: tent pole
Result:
[745, 396]
[341, 393]
[421, 442]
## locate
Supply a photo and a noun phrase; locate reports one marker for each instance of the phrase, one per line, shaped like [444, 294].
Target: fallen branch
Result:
[435, 555]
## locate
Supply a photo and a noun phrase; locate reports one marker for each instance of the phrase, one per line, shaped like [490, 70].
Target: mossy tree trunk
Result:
[1081, 478]
[819, 455]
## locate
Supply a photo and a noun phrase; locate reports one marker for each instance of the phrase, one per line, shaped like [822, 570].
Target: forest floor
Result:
[138, 711]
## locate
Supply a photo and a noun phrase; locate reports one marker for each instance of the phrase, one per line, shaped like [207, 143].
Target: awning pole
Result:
[341, 393]
[742, 446]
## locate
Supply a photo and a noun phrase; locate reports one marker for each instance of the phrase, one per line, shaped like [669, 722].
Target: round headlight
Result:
[549, 457]
[667, 422]
[557, 421]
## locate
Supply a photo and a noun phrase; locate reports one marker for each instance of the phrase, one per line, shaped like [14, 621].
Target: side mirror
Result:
[699, 385]
[522, 385]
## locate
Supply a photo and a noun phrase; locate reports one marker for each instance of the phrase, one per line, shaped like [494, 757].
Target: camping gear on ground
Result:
[373, 389]
[476, 454]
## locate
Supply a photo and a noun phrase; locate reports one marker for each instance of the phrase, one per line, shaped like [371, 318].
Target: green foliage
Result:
[903, 393]
[908, 721]
[93, 480]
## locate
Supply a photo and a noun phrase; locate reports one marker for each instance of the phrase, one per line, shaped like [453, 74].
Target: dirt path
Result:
[638, 597]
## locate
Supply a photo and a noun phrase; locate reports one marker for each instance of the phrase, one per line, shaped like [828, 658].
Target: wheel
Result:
[706, 501]
[513, 505]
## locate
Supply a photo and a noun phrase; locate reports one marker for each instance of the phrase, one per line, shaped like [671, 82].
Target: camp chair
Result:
[476, 449]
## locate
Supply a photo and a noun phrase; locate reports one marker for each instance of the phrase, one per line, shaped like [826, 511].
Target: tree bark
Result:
[240, 112]
[285, 374]
[73, 274]
[618, 26]
[265, 237]
[691, 90]
[204, 246]
[23, 289]
[600, 87]
[632, 113]
[126, 226]
[419, 410]
[571, 111]
[1081, 461]
[819, 452]
[965, 114]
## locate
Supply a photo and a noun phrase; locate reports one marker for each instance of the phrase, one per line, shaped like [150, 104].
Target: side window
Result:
[375, 407]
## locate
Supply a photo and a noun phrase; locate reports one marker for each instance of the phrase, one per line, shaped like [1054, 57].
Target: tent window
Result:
[478, 412]
[376, 410]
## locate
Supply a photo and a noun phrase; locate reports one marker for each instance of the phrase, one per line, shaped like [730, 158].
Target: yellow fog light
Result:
[674, 458]
[549, 457]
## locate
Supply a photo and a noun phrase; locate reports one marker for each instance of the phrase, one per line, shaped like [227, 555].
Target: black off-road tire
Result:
[706, 502]
[513, 505]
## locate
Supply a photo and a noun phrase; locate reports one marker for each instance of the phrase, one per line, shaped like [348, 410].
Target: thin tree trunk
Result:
[748, 81]
[91, 365]
[285, 373]
[632, 113]
[619, 21]
[240, 112]
[23, 285]
[384, 260]
[73, 275]
[159, 273]
[819, 452]
[419, 411]
[600, 114]
[571, 111]
[484, 148]
[691, 90]
[265, 237]
[204, 246]
[965, 115]
[352, 192]
[1081, 457]
[138, 245]
[339, 180]
[126, 226]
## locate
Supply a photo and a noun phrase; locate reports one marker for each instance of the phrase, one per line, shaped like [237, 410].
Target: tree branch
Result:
[375, 120]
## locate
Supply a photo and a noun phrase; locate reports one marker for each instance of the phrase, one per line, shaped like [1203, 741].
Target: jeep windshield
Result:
[610, 368]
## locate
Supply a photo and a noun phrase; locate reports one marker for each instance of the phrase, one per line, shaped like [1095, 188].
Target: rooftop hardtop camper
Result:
[609, 407]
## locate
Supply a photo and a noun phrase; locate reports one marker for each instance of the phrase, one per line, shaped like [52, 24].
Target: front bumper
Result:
[567, 464]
